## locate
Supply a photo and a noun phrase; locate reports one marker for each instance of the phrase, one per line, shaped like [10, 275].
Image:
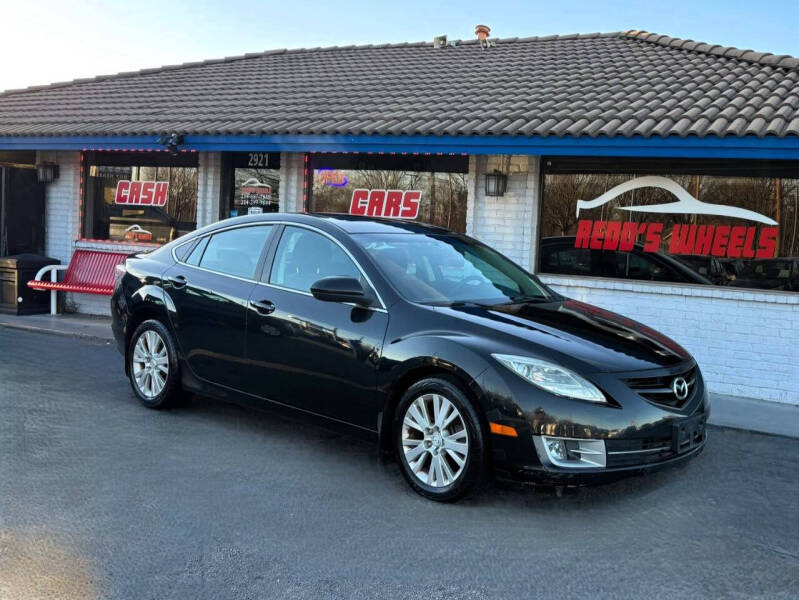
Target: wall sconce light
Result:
[46, 172]
[496, 183]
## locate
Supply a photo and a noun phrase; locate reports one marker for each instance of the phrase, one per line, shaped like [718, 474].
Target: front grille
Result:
[659, 389]
[630, 452]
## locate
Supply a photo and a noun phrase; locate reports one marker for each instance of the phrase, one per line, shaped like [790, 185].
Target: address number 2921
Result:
[258, 159]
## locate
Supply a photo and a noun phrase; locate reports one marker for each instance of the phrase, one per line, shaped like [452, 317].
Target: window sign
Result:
[142, 192]
[139, 198]
[392, 204]
[717, 227]
[732, 241]
[331, 177]
[252, 182]
[431, 189]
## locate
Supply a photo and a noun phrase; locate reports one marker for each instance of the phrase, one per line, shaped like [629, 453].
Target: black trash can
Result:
[16, 297]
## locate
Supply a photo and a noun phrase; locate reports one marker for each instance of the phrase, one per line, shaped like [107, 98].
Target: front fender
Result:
[408, 359]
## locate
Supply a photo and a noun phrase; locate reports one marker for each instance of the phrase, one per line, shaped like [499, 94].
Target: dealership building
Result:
[649, 175]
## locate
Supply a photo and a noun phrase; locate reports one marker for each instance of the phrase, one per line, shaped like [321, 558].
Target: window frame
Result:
[265, 251]
[228, 178]
[266, 262]
[117, 158]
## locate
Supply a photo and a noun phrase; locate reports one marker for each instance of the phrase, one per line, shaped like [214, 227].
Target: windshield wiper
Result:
[526, 298]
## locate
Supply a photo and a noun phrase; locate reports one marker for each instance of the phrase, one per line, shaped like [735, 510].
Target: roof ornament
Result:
[482, 31]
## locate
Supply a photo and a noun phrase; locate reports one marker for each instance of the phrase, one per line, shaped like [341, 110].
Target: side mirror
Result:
[340, 289]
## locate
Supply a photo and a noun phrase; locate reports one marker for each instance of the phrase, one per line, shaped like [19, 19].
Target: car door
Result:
[314, 355]
[210, 291]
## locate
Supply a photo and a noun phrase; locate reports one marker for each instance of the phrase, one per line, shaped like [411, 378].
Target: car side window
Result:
[236, 251]
[197, 253]
[304, 257]
[630, 265]
[182, 251]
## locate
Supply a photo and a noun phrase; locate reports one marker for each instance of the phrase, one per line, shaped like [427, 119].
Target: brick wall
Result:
[61, 205]
[504, 222]
[747, 343]
[292, 172]
[209, 178]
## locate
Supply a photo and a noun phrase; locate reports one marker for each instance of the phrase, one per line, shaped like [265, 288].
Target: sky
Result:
[45, 41]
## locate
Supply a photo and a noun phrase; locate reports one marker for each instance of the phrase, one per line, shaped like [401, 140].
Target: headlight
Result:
[551, 377]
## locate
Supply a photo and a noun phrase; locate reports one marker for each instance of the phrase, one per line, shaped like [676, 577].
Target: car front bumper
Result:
[552, 475]
[633, 434]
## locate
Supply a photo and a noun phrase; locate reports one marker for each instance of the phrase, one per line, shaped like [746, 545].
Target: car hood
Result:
[568, 331]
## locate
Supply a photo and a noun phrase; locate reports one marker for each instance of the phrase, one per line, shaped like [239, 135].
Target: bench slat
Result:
[89, 272]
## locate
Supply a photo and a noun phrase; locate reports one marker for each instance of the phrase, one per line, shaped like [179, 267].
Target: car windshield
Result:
[448, 269]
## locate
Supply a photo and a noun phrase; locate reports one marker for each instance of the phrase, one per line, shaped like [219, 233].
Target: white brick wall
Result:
[504, 222]
[61, 205]
[747, 343]
[209, 181]
[292, 171]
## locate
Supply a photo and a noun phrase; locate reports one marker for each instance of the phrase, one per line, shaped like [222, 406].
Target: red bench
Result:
[89, 272]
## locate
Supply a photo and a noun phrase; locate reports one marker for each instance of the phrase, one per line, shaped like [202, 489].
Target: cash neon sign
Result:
[147, 193]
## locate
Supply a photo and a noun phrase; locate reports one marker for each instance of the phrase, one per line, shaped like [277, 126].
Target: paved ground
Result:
[101, 498]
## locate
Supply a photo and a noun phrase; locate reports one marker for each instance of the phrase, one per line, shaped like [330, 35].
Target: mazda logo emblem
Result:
[680, 388]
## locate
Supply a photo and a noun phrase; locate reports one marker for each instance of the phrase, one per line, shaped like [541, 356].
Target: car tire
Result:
[442, 454]
[153, 367]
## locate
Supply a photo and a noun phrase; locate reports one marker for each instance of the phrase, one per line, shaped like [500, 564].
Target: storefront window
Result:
[694, 222]
[130, 198]
[251, 183]
[430, 189]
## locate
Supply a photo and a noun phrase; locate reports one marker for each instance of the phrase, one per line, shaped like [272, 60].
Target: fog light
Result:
[556, 449]
[571, 453]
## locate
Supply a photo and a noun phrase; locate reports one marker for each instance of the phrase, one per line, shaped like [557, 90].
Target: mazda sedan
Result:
[455, 359]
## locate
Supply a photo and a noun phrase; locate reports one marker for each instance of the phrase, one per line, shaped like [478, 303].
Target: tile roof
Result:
[610, 84]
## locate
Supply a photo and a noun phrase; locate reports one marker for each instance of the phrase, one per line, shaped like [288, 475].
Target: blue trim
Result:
[688, 147]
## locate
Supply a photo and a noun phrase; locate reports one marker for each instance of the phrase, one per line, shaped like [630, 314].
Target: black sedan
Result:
[456, 359]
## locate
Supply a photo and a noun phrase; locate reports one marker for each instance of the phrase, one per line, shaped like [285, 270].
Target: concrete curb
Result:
[79, 334]
[87, 329]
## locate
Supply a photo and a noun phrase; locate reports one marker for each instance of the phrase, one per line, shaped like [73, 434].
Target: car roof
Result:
[350, 224]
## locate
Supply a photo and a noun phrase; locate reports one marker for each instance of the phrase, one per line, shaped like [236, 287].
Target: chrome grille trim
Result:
[658, 388]
[645, 451]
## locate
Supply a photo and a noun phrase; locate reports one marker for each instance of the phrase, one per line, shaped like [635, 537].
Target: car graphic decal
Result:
[686, 203]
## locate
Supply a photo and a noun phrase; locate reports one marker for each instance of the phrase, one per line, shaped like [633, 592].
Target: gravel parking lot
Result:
[102, 498]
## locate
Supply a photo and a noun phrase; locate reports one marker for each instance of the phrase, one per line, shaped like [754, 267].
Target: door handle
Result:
[265, 307]
[178, 281]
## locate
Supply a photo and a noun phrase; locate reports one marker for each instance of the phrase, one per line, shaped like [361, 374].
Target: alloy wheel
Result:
[150, 363]
[435, 442]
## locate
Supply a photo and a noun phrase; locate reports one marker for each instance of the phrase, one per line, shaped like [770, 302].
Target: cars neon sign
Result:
[392, 204]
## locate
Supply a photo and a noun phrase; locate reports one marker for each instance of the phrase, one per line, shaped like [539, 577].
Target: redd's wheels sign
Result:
[730, 241]
[150, 193]
[392, 204]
